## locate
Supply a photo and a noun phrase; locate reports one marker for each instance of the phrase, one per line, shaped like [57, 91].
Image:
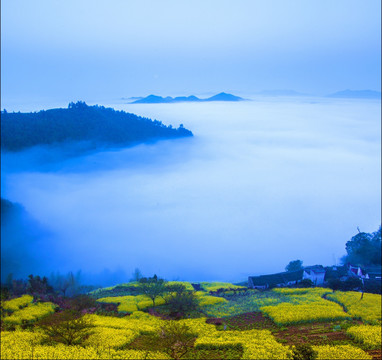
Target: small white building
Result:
[315, 273]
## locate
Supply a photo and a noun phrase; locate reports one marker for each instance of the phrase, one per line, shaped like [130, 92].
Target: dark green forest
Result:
[96, 125]
[364, 249]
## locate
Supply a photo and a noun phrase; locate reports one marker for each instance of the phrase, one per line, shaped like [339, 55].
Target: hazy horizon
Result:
[104, 50]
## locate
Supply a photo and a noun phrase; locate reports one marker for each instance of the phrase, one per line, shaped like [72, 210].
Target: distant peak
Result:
[192, 98]
[224, 97]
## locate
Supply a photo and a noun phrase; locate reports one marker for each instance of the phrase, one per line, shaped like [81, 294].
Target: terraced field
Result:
[233, 323]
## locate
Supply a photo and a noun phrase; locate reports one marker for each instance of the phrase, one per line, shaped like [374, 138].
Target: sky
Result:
[102, 50]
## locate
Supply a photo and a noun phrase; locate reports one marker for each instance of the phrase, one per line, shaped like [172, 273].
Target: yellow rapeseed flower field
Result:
[111, 336]
[131, 303]
[17, 303]
[367, 309]
[29, 313]
[214, 286]
[256, 344]
[287, 313]
[370, 335]
[329, 352]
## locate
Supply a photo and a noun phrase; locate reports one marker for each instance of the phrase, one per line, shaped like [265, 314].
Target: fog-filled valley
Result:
[260, 183]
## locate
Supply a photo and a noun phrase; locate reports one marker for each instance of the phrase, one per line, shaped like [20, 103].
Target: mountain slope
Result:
[224, 97]
[97, 125]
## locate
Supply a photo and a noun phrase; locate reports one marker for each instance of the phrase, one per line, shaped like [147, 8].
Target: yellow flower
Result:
[370, 335]
[30, 313]
[17, 303]
[368, 309]
[340, 352]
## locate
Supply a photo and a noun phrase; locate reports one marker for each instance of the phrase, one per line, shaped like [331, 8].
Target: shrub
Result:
[334, 284]
[351, 283]
[305, 283]
[4, 294]
[372, 286]
[176, 339]
[304, 352]
[83, 302]
[183, 301]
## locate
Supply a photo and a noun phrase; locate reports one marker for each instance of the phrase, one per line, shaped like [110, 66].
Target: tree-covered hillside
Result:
[97, 125]
[21, 241]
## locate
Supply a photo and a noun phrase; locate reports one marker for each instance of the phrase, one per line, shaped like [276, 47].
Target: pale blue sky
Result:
[86, 49]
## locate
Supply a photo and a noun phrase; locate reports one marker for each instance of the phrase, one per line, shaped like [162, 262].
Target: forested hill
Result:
[20, 237]
[97, 125]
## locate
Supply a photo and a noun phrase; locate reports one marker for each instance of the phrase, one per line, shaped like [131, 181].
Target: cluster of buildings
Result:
[318, 274]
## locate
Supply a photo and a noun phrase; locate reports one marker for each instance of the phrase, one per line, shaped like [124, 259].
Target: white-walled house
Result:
[315, 273]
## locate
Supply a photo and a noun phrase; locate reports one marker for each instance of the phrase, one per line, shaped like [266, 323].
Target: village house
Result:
[279, 279]
[356, 271]
[371, 273]
[336, 272]
[315, 273]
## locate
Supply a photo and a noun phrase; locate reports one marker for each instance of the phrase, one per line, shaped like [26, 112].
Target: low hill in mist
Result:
[154, 99]
[95, 125]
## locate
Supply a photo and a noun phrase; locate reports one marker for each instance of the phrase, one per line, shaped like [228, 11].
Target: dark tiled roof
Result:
[314, 267]
[275, 279]
[318, 269]
[331, 273]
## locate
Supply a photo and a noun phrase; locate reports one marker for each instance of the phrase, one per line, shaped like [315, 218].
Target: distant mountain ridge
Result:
[79, 123]
[359, 94]
[154, 99]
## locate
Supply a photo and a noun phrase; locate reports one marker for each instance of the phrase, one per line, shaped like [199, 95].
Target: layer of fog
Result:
[261, 183]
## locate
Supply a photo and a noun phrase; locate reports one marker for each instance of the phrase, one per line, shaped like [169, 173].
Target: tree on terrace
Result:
[152, 287]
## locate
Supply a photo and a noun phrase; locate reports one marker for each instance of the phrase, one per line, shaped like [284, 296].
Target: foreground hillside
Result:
[97, 125]
[229, 322]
